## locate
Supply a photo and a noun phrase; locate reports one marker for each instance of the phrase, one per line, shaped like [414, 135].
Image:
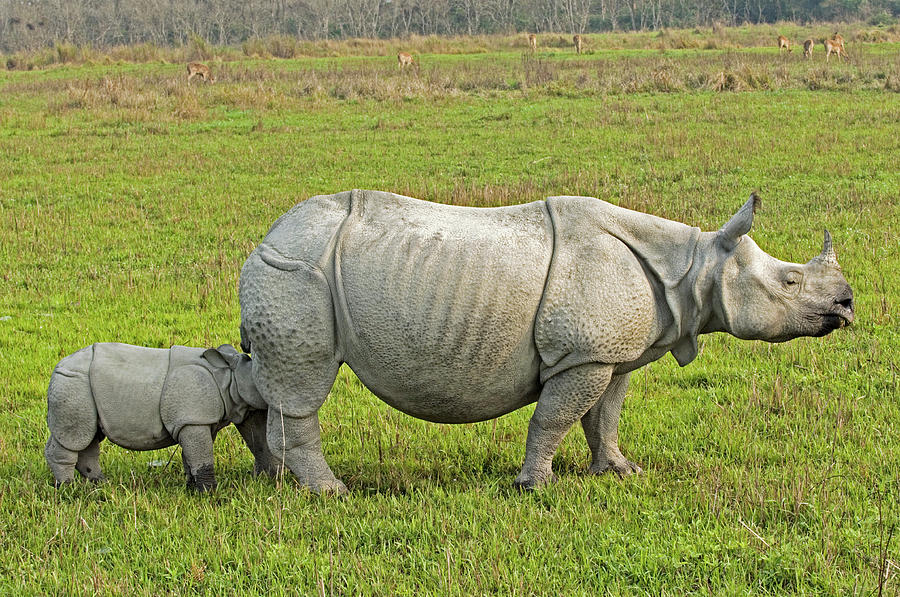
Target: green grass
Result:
[129, 200]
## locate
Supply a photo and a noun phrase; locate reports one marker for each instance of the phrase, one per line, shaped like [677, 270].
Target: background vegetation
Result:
[130, 199]
[33, 24]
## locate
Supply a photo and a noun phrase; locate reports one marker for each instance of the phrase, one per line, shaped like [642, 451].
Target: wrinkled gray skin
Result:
[149, 398]
[457, 314]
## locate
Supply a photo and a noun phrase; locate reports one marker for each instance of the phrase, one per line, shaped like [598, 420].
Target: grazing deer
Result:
[835, 46]
[404, 59]
[808, 48]
[784, 44]
[200, 70]
[577, 40]
[840, 41]
[532, 41]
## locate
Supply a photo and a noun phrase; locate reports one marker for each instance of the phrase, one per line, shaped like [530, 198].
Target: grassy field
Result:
[130, 199]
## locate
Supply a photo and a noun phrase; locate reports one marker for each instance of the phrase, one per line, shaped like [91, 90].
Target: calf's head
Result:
[240, 367]
[762, 298]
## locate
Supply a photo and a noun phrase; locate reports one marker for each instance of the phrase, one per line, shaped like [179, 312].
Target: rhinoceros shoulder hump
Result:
[598, 305]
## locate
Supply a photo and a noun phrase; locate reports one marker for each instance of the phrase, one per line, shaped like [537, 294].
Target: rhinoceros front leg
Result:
[601, 428]
[564, 399]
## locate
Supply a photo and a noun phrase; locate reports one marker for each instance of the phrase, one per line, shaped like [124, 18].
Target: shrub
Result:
[200, 48]
[882, 19]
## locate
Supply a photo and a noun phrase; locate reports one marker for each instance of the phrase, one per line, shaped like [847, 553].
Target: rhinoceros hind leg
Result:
[253, 430]
[61, 461]
[287, 320]
[89, 460]
[197, 454]
[297, 441]
[601, 429]
[565, 398]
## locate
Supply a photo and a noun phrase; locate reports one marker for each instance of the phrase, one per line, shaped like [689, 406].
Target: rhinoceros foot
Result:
[622, 467]
[332, 486]
[532, 482]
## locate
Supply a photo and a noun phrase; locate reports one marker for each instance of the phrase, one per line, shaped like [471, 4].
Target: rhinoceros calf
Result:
[149, 398]
[458, 314]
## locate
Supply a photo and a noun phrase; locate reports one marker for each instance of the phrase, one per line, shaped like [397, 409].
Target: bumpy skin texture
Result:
[147, 398]
[455, 314]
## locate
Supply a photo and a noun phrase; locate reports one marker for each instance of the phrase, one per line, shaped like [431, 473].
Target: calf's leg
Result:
[197, 454]
[89, 460]
[564, 399]
[61, 461]
[253, 430]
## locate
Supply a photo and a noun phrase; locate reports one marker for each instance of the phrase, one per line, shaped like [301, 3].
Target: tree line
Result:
[30, 24]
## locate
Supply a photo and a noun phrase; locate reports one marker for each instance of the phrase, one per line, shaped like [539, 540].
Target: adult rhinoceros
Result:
[458, 314]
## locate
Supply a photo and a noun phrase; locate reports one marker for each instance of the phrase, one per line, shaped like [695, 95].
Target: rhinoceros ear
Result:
[739, 224]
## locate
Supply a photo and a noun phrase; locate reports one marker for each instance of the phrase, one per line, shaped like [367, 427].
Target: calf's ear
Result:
[730, 234]
[223, 356]
[215, 358]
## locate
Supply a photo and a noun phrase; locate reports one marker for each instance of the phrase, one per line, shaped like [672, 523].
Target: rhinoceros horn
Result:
[827, 256]
[739, 224]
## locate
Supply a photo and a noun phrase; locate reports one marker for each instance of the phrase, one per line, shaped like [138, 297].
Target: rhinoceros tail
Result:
[245, 340]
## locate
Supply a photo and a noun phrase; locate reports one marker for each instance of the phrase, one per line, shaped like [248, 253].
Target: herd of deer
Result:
[835, 46]
[405, 59]
[576, 39]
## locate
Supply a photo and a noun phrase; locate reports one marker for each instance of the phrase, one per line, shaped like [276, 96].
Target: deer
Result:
[199, 69]
[784, 44]
[808, 48]
[532, 41]
[404, 59]
[576, 39]
[835, 46]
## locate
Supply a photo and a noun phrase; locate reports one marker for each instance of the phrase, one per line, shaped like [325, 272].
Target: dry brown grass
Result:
[282, 46]
[161, 91]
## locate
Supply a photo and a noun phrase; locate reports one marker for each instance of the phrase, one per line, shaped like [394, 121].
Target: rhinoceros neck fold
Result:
[691, 298]
[668, 252]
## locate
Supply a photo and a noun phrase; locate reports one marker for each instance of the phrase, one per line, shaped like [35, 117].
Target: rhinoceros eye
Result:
[792, 279]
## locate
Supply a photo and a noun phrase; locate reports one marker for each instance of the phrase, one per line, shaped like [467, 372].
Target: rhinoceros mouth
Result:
[833, 321]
